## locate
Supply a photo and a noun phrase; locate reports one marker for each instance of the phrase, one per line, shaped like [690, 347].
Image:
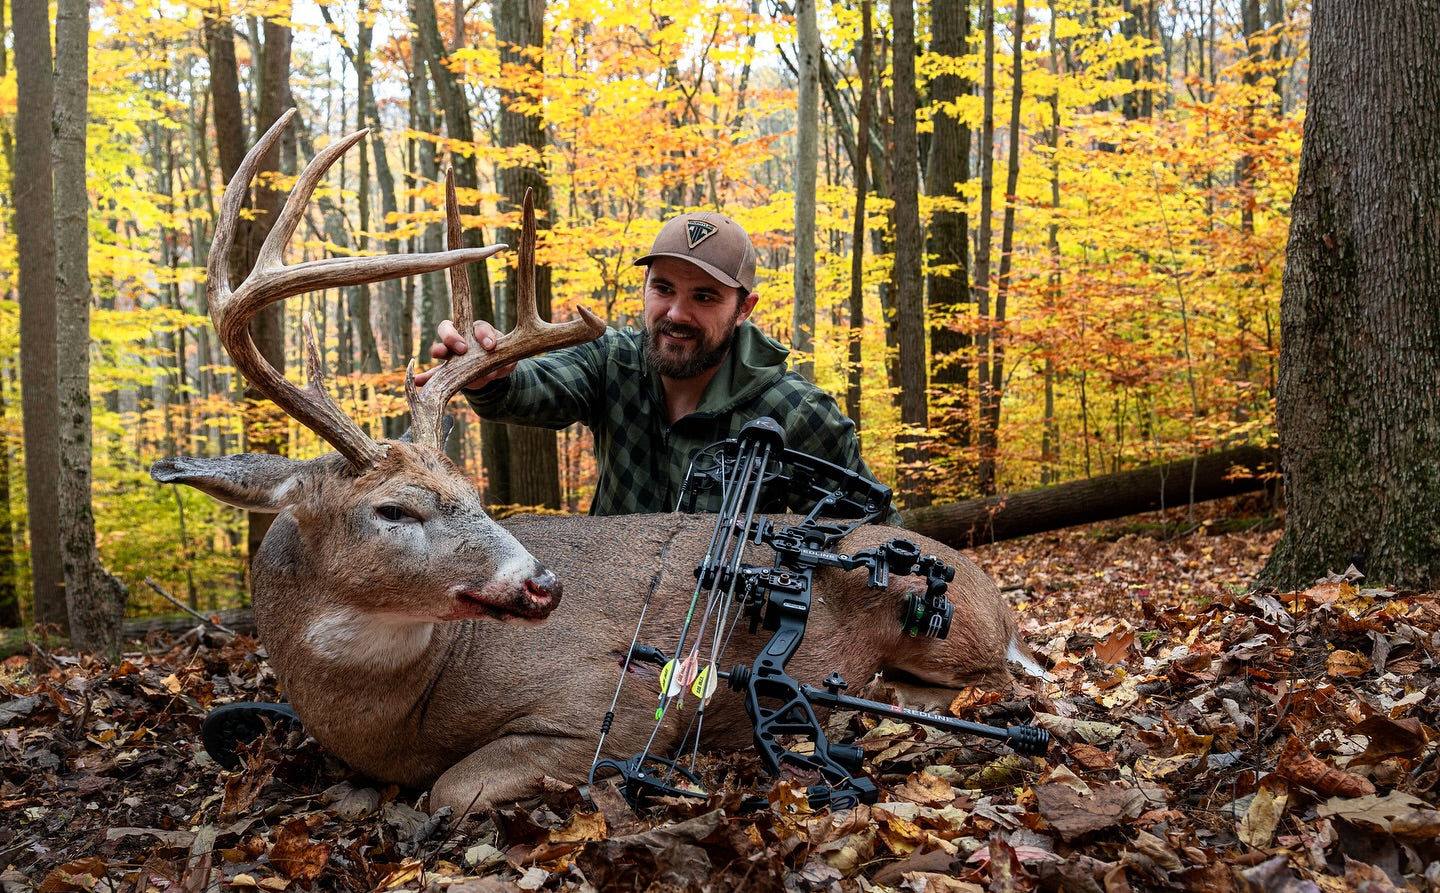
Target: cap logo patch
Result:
[697, 231]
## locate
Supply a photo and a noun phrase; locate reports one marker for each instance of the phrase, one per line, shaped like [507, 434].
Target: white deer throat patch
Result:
[357, 639]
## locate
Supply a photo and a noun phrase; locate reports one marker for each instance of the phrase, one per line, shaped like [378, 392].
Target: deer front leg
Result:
[510, 768]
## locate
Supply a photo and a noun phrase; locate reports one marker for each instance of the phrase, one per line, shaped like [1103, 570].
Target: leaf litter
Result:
[1207, 738]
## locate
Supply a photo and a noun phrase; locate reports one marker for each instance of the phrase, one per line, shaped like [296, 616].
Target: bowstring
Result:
[739, 484]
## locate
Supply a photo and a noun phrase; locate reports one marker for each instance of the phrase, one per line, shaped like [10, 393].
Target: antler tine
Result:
[530, 336]
[271, 280]
[460, 313]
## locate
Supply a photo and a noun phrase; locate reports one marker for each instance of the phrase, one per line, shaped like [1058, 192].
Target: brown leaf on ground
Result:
[295, 855]
[1073, 814]
[1347, 664]
[1297, 764]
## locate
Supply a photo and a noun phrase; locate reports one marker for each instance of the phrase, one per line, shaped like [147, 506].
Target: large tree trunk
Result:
[96, 599]
[1119, 495]
[35, 243]
[807, 149]
[949, 236]
[909, 261]
[1356, 403]
[520, 31]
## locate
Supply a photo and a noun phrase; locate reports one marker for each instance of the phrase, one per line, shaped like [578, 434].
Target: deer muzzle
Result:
[529, 602]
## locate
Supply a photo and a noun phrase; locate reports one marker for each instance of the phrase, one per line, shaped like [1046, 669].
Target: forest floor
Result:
[1206, 738]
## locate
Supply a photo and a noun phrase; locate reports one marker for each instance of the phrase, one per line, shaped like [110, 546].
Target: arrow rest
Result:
[751, 474]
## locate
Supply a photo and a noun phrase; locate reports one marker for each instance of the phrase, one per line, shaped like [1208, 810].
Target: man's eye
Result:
[392, 513]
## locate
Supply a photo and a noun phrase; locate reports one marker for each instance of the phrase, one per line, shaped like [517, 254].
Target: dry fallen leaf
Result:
[1257, 826]
[295, 855]
[1297, 764]
[1395, 813]
[1347, 664]
[1117, 648]
[1073, 815]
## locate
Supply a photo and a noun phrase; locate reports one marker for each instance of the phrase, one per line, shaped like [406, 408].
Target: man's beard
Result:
[702, 356]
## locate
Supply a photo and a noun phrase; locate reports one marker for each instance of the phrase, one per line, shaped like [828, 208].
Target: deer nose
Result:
[542, 591]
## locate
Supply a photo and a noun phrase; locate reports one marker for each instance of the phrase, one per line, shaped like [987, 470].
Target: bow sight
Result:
[755, 472]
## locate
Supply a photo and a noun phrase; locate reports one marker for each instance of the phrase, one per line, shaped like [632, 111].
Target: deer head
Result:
[394, 517]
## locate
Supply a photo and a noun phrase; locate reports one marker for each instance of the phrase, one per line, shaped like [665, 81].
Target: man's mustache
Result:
[666, 327]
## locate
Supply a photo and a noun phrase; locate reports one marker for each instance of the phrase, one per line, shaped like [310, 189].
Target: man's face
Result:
[690, 318]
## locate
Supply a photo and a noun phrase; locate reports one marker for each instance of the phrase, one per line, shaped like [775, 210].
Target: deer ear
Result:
[252, 481]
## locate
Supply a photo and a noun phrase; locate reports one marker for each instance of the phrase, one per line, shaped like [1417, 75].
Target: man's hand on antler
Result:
[452, 343]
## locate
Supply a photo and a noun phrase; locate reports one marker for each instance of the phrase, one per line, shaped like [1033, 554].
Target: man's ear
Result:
[747, 306]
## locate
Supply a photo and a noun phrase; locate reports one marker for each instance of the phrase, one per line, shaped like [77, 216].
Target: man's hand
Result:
[452, 342]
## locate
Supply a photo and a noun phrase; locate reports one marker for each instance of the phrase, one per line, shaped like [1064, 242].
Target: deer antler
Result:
[531, 335]
[271, 280]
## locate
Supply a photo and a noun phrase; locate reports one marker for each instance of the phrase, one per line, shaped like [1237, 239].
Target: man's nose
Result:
[680, 311]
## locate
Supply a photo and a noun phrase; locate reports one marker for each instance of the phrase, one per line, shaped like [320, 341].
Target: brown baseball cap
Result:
[710, 241]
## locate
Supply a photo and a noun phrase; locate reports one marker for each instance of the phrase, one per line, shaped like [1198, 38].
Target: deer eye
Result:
[393, 513]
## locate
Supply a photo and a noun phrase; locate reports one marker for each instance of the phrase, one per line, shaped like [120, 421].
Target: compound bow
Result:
[753, 472]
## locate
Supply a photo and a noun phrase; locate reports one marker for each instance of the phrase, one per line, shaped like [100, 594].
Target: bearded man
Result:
[696, 373]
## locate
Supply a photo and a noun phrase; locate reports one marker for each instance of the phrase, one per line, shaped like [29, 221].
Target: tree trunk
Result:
[10, 612]
[994, 392]
[96, 599]
[433, 304]
[520, 30]
[981, 287]
[35, 244]
[1356, 403]
[860, 162]
[949, 236]
[267, 329]
[1213, 476]
[909, 261]
[1050, 432]
[807, 147]
[494, 439]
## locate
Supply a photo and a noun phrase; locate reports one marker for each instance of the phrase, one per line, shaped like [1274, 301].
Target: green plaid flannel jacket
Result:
[607, 385]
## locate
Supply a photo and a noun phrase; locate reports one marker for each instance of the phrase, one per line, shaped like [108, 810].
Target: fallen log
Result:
[1211, 476]
[233, 620]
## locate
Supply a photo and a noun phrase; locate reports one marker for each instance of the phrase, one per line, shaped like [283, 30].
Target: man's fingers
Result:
[451, 338]
[486, 334]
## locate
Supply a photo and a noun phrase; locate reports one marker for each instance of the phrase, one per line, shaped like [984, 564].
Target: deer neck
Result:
[349, 638]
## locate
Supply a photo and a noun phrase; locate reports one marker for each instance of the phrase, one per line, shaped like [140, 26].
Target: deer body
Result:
[384, 635]
[406, 625]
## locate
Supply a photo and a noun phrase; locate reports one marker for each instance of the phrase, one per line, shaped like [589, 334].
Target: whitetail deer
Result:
[378, 589]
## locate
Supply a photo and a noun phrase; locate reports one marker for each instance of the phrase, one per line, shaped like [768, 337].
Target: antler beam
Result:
[271, 281]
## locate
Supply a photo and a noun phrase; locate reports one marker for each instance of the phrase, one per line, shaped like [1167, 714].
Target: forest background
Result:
[1056, 255]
